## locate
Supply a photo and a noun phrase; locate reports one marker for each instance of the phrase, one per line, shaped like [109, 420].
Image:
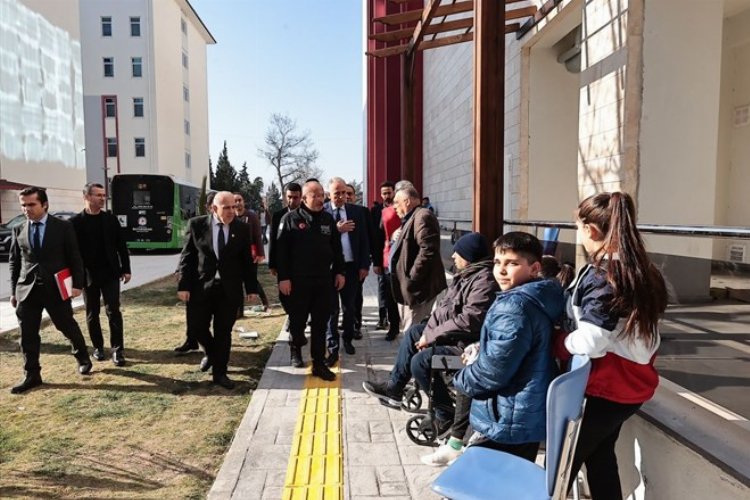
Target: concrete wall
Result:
[448, 130]
[733, 156]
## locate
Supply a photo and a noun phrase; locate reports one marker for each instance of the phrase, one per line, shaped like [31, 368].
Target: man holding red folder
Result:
[42, 248]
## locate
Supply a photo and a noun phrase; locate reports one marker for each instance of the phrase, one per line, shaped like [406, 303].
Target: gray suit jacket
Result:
[59, 250]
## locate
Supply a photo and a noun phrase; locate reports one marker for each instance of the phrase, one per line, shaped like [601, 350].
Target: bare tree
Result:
[291, 153]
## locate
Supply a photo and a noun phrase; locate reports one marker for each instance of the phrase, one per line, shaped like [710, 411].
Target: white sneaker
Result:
[444, 455]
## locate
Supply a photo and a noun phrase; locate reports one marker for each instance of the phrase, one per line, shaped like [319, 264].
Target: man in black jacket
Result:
[214, 266]
[293, 195]
[106, 260]
[310, 264]
[42, 247]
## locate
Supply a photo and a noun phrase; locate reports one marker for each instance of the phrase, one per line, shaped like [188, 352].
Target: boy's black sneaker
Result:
[296, 358]
[322, 371]
[387, 394]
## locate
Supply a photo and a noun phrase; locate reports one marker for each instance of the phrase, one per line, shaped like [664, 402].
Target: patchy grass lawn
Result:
[155, 428]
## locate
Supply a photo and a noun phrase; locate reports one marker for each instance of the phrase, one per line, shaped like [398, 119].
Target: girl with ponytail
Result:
[612, 314]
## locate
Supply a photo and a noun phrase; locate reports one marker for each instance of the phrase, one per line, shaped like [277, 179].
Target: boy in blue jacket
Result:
[508, 382]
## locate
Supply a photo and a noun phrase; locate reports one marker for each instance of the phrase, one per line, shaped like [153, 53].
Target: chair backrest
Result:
[565, 401]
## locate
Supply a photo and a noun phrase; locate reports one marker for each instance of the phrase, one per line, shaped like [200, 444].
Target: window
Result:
[183, 26]
[138, 107]
[111, 147]
[109, 66]
[187, 127]
[184, 60]
[107, 26]
[185, 94]
[140, 147]
[109, 107]
[135, 26]
[137, 66]
[187, 159]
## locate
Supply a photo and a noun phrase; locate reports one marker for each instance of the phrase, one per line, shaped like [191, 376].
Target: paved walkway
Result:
[379, 460]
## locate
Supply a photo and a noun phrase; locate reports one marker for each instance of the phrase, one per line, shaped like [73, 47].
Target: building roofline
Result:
[207, 36]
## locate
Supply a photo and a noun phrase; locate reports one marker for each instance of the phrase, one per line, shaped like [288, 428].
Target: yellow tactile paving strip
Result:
[316, 465]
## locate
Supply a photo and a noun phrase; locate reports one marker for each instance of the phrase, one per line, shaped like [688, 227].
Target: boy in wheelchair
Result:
[457, 318]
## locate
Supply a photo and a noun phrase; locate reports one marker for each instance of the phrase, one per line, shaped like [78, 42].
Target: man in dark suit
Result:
[106, 261]
[293, 195]
[214, 266]
[351, 198]
[355, 245]
[41, 247]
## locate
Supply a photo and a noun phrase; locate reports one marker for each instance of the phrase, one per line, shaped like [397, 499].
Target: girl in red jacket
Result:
[613, 309]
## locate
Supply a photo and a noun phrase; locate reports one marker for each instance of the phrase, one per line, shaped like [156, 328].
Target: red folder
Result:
[64, 282]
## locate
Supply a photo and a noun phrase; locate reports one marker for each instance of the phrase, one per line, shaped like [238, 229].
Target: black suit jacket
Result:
[272, 247]
[359, 239]
[59, 250]
[115, 246]
[198, 262]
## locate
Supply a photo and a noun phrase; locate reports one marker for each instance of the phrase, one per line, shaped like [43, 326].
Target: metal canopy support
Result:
[489, 114]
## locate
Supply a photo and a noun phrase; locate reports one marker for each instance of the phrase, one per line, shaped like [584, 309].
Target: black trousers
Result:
[310, 297]
[382, 287]
[391, 307]
[110, 291]
[348, 296]
[214, 304]
[600, 429]
[359, 301]
[29, 314]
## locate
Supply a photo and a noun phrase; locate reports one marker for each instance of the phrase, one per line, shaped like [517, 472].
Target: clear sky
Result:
[299, 57]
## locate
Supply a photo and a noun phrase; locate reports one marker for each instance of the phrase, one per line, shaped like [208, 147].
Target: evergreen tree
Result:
[254, 194]
[273, 198]
[211, 176]
[225, 178]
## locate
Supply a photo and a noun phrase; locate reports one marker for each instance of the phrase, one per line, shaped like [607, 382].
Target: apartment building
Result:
[41, 103]
[144, 88]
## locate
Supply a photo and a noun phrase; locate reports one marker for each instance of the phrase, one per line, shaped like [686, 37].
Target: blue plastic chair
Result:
[483, 474]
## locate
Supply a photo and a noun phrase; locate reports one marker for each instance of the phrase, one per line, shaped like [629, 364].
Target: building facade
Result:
[145, 88]
[41, 103]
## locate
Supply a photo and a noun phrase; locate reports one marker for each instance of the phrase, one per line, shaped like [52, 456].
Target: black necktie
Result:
[222, 242]
[37, 242]
[338, 214]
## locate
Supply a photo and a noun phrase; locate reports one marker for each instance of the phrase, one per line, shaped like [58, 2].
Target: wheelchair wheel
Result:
[421, 430]
[412, 399]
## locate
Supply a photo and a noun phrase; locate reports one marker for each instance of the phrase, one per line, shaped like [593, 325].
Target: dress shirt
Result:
[215, 230]
[42, 229]
[346, 244]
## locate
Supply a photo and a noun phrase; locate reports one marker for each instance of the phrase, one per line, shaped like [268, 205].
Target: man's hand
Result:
[258, 259]
[285, 287]
[421, 343]
[339, 282]
[125, 278]
[272, 271]
[183, 296]
[377, 269]
[13, 301]
[75, 292]
[363, 274]
[345, 226]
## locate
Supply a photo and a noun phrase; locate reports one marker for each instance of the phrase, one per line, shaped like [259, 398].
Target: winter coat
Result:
[465, 303]
[509, 380]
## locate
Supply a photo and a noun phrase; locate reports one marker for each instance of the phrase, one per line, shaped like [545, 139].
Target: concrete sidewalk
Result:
[379, 459]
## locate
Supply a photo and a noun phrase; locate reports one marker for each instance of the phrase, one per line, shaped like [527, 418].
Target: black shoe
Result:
[332, 359]
[357, 334]
[118, 358]
[225, 382]
[205, 364]
[389, 396]
[382, 324]
[392, 334]
[349, 347]
[29, 382]
[296, 357]
[186, 347]
[322, 371]
[98, 354]
[85, 368]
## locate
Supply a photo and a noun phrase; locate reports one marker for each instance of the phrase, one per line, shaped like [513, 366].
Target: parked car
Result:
[7, 228]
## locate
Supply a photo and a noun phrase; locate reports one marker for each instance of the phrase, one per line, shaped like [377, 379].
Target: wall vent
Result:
[737, 253]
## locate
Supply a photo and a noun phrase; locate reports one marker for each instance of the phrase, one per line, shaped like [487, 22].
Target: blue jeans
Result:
[411, 362]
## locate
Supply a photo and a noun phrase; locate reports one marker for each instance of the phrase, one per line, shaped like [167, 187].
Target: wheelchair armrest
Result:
[447, 363]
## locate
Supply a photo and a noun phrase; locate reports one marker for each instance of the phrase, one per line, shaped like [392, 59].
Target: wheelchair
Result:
[422, 428]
